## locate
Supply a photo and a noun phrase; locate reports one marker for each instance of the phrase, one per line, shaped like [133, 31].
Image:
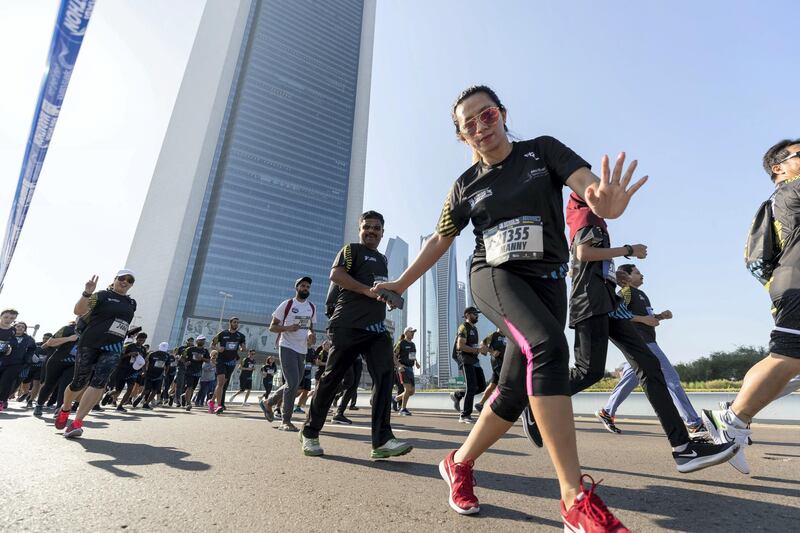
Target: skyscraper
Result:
[261, 175]
[397, 256]
[439, 317]
[462, 296]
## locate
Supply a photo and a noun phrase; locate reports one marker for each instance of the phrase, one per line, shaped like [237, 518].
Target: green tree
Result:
[722, 365]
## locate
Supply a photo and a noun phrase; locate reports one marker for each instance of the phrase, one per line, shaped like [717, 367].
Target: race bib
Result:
[270, 372]
[119, 328]
[303, 321]
[173, 364]
[232, 346]
[197, 356]
[308, 366]
[518, 239]
[609, 271]
[159, 364]
[230, 363]
[412, 356]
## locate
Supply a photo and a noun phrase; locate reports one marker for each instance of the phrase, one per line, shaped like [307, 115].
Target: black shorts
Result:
[785, 338]
[407, 376]
[226, 368]
[191, 381]
[531, 312]
[93, 367]
[36, 373]
[305, 383]
[245, 383]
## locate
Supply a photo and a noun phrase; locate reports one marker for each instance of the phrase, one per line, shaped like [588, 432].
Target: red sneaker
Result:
[74, 430]
[460, 479]
[62, 418]
[589, 514]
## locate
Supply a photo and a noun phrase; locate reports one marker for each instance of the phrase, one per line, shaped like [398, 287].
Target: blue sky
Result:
[693, 90]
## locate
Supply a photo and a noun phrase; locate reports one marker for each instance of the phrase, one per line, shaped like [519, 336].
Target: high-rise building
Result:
[462, 296]
[260, 179]
[439, 317]
[397, 257]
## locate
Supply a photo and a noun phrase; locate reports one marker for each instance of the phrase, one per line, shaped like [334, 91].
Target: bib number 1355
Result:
[518, 239]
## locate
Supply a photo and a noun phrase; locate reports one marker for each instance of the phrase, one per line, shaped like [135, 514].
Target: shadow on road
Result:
[423, 444]
[137, 454]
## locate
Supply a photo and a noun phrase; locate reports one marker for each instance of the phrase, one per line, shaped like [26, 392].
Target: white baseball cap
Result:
[164, 346]
[126, 272]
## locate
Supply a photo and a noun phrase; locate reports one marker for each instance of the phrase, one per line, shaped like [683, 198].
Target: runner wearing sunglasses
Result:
[513, 197]
[771, 376]
[107, 314]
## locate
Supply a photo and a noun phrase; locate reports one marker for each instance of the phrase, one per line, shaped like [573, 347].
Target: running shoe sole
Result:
[709, 461]
[309, 453]
[456, 508]
[344, 423]
[269, 416]
[739, 463]
[610, 426]
[73, 433]
[386, 454]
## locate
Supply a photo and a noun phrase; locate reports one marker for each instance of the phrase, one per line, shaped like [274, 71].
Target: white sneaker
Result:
[466, 420]
[392, 448]
[310, 447]
[721, 432]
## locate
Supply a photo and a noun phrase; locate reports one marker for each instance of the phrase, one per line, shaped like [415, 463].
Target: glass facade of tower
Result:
[397, 257]
[274, 209]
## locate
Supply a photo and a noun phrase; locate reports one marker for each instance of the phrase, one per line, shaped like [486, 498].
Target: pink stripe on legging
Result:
[519, 338]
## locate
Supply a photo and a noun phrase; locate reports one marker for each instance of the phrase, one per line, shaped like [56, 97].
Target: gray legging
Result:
[292, 365]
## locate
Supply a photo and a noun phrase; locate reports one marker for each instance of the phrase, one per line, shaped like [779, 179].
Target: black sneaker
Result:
[136, 401]
[699, 455]
[341, 419]
[530, 428]
[608, 421]
[121, 409]
[353, 408]
[106, 399]
[146, 405]
[37, 411]
[395, 405]
[456, 401]
[97, 407]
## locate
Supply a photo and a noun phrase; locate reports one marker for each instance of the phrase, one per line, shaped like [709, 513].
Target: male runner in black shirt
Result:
[195, 357]
[406, 352]
[357, 327]
[468, 349]
[768, 378]
[228, 344]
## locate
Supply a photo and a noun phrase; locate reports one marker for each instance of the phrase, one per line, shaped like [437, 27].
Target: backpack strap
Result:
[283, 322]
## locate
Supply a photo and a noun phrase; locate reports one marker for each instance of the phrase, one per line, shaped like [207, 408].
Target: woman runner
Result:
[513, 196]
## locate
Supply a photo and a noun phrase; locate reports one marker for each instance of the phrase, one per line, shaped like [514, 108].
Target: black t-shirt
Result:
[248, 364]
[469, 332]
[196, 355]
[157, 362]
[353, 310]
[23, 351]
[229, 342]
[406, 353]
[786, 211]
[67, 351]
[129, 353]
[639, 304]
[109, 317]
[593, 282]
[311, 356]
[268, 370]
[172, 365]
[528, 183]
[496, 343]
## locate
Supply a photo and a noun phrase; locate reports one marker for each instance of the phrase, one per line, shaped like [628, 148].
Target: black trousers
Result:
[475, 382]
[9, 380]
[347, 344]
[351, 392]
[57, 376]
[591, 349]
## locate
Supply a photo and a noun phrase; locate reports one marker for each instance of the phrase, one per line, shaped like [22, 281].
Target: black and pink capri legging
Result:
[532, 313]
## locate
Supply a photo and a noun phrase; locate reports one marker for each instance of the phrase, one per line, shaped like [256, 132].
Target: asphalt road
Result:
[168, 469]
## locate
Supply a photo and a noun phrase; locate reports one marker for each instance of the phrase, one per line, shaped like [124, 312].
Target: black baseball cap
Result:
[473, 310]
[301, 280]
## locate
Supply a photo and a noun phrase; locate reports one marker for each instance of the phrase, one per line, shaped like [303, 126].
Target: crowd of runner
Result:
[526, 247]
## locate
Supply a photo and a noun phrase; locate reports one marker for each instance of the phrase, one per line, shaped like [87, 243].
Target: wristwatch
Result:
[629, 249]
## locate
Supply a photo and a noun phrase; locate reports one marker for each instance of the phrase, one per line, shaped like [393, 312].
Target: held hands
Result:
[91, 285]
[393, 286]
[483, 349]
[610, 197]
[664, 315]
